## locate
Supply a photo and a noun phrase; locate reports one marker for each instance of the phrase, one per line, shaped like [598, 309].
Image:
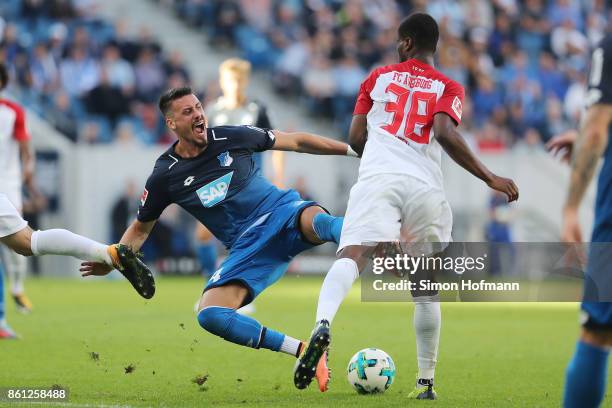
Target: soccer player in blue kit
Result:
[586, 374]
[210, 172]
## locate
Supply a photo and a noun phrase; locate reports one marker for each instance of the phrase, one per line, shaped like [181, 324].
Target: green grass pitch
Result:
[491, 355]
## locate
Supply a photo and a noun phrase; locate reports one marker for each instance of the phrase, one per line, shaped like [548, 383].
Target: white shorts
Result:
[13, 191]
[394, 207]
[10, 219]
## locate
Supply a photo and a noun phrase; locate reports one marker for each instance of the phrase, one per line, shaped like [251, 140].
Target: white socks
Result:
[16, 268]
[335, 287]
[427, 322]
[290, 346]
[63, 242]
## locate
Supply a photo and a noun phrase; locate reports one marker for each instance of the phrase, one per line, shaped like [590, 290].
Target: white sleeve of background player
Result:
[451, 101]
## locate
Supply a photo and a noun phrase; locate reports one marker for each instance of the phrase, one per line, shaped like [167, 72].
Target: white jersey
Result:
[400, 101]
[12, 131]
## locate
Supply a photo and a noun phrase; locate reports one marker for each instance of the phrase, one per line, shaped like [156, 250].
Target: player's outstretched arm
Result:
[302, 142]
[445, 131]
[136, 234]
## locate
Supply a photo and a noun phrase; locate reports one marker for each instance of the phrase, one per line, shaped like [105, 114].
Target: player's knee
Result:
[215, 319]
[598, 338]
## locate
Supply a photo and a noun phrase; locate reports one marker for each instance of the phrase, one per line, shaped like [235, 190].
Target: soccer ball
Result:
[371, 371]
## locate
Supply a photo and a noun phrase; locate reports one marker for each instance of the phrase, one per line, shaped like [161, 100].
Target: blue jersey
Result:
[600, 92]
[598, 279]
[222, 187]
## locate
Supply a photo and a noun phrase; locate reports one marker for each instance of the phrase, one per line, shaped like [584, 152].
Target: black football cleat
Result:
[306, 365]
[134, 270]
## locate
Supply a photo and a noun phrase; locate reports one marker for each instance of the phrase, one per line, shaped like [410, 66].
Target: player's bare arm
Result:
[302, 142]
[134, 237]
[358, 133]
[589, 147]
[27, 161]
[445, 131]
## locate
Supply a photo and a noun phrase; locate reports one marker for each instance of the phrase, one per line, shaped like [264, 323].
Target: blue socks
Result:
[232, 326]
[327, 227]
[586, 377]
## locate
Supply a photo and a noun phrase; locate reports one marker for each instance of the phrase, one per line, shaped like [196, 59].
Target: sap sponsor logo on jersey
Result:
[413, 82]
[215, 191]
[143, 197]
[457, 108]
[225, 159]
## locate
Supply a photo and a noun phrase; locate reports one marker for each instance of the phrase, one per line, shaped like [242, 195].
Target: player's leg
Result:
[586, 374]
[217, 315]
[15, 233]
[5, 330]
[427, 219]
[16, 269]
[318, 226]
[14, 263]
[372, 216]
[57, 242]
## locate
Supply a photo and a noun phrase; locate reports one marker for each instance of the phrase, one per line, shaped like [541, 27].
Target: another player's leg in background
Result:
[218, 315]
[587, 372]
[16, 270]
[5, 330]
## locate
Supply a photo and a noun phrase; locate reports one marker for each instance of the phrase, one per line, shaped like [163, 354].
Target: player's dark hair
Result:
[175, 93]
[4, 76]
[422, 29]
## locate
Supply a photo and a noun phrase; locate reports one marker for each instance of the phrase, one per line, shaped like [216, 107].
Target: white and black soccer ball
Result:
[371, 371]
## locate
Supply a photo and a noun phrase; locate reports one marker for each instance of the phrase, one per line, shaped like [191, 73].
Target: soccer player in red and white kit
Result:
[16, 169]
[405, 115]
[17, 238]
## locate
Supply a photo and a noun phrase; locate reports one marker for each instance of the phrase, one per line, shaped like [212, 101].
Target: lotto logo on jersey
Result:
[457, 108]
[215, 191]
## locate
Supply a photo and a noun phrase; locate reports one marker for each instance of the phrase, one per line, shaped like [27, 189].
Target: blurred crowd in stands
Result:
[84, 74]
[523, 62]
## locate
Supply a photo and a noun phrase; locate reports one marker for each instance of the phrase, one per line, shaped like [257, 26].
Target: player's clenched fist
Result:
[506, 186]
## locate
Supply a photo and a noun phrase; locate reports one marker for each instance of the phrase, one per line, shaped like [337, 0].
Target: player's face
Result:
[188, 121]
[404, 47]
[233, 83]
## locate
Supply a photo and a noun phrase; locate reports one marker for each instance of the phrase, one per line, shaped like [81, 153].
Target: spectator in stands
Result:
[125, 135]
[79, 73]
[150, 75]
[106, 99]
[44, 69]
[62, 115]
[175, 66]
[90, 132]
[319, 84]
[120, 72]
[567, 41]
[486, 99]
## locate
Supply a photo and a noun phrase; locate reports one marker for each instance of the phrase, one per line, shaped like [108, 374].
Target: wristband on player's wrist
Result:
[350, 151]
